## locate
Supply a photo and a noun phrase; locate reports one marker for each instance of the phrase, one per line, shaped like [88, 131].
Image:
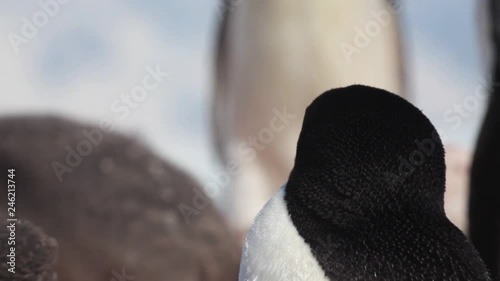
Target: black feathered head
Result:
[366, 151]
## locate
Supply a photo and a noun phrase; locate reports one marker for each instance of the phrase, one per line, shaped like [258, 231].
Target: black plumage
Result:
[484, 201]
[366, 192]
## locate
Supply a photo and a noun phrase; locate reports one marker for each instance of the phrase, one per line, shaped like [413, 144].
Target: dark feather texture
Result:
[484, 202]
[366, 192]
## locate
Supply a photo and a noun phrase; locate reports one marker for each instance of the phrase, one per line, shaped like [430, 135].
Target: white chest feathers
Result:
[274, 250]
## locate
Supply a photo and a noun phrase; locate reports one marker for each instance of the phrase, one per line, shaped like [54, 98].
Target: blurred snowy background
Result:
[88, 54]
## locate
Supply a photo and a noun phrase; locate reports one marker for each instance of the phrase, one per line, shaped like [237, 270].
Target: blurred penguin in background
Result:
[116, 210]
[484, 205]
[458, 162]
[273, 58]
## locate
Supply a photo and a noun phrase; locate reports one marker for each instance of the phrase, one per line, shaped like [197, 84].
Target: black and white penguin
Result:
[364, 200]
[484, 200]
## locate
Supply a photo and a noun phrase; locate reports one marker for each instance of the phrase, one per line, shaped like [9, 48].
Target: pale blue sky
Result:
[92, 51]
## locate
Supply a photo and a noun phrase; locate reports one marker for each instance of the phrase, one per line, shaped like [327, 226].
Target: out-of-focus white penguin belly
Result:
[274, 251]
[282, 54]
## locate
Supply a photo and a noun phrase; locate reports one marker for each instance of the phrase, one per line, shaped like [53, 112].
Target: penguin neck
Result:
[349, 202]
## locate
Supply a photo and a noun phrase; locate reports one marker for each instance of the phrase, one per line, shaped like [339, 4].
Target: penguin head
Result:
[364, 151]
[364, 200]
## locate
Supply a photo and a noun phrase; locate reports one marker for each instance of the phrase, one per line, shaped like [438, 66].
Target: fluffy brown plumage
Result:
[117, 210]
